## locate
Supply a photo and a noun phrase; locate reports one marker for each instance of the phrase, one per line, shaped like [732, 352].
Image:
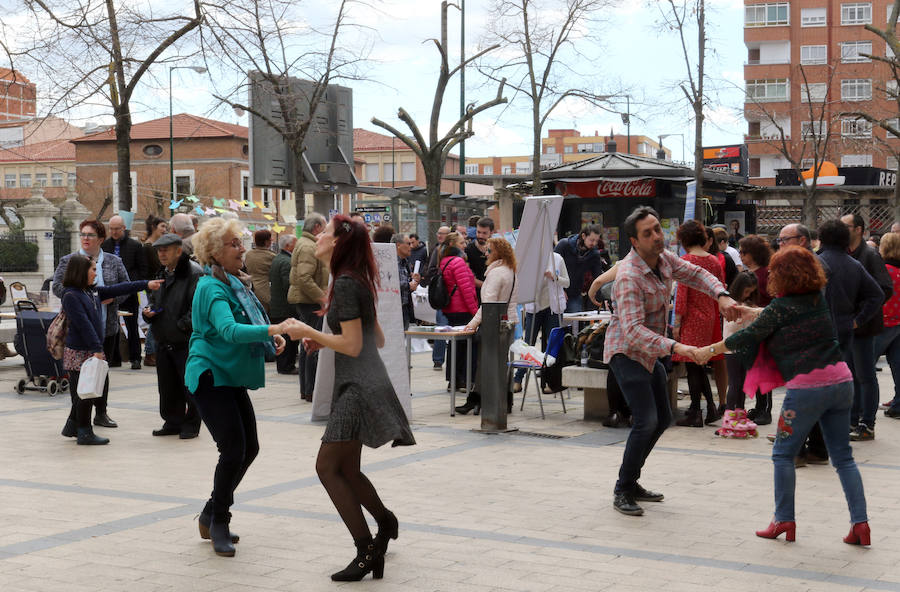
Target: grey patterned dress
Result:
[364, 406]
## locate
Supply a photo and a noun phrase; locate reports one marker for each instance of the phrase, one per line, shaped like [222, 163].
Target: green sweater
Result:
[798, 331]
[219, 340]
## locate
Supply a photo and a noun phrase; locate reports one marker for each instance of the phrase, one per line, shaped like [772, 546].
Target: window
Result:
[859, 13]
[894, 123]
[523, 168]
[152, 150]
[767, 90]
[408, 171]
[246, 195]
[807, 163]
[754, 167]
[851, 51]
[550, 150]
[126, 203]
[388, 172]
[812, 129]
[56, 179]
[488, 169]
[891, 163]
[812, 17]
[25, 180]
[506, 169]
[472, 169]
[856, 89]
[267, 197]
[40, 179]
[850, 160]
[888, 52]
[371, 173]
[70, 178]
[10, 180]
[890, 90]
[766, 15]
[856, 128]
[567, 149]
[184, 183]
[814, 92]
[815, 54]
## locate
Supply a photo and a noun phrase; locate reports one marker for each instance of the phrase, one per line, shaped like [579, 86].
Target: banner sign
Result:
[611, 188]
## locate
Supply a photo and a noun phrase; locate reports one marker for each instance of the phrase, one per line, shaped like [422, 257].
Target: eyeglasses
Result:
[781, 241]
[88, 235]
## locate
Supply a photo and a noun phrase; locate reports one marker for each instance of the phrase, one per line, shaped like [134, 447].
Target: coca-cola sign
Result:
[612, 188]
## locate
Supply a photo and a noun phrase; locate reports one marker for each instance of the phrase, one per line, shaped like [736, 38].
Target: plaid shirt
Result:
[638, 325]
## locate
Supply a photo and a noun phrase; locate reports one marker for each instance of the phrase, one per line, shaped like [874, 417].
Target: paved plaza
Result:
[529, 511]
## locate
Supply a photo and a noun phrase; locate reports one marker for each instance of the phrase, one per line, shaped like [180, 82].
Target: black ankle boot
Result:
[203, 522]
[387, 529]
[69, 430]
[221, 539]
[366, 560]
[86, 437]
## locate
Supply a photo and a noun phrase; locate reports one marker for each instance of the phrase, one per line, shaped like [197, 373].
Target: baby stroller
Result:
[45, 373]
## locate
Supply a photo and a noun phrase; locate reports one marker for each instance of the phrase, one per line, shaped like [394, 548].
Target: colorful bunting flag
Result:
[209, 212]
[244, 203]
[268, 217]
[278, 228]
[221, 210]
[234, 205]
[247, 232]
[259, 205]
[174, 204]
[199, 210]
[192, 199]
[219, 202]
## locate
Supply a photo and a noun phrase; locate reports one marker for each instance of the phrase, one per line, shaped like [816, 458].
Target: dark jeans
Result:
[439, 346]
[80, 412]
[865, 382]
[308, 361]
[286, 361]
[614, 395]
[888, 343]
[176, 406]
[648, 397]
[454, 319]
[228, 415]
[543, 321]
[574, 304]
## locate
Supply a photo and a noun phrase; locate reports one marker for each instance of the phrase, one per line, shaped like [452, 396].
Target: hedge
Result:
[18, 255]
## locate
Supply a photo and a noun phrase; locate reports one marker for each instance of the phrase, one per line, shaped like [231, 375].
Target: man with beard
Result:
[476, 252]
[583, 258]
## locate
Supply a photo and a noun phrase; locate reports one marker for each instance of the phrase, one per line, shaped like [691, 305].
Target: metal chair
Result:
[554, 346]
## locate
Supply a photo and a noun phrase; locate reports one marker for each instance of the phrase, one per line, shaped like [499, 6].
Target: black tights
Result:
[698, 384]
[350, 491]
[736, 375]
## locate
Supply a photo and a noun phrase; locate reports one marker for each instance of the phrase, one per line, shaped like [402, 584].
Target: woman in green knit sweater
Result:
[798, 331]
[231, 334]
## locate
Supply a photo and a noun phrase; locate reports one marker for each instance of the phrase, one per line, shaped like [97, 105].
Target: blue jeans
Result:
[149, 342]
[648, 397]
[888, 344]
[802, 408]
[546, 321]
[439, 347]
[865, 383]
[574, 304]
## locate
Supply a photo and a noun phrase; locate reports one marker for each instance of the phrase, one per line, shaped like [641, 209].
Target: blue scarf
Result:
[251, 305]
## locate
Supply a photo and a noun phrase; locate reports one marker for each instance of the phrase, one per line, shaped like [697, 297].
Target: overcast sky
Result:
[626, 51]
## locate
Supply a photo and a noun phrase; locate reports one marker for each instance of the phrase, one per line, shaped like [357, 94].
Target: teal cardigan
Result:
[221, 332]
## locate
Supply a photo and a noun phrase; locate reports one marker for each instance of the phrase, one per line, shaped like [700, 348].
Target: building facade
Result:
[808, 69]
[562, 146]
[18, 96]
[46, 164]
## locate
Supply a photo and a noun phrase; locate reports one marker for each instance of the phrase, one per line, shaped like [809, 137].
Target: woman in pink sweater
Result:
[460, 282]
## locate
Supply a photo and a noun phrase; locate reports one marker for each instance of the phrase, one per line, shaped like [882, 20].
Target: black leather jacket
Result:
[172, 325]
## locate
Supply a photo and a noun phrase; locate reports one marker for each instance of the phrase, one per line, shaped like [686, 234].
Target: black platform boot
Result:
[204, 520]
[366, 560]
[221, 539]
[86, 437]
[387, 529]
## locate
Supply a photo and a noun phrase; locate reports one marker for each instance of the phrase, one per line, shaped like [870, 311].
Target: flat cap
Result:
[167, 239]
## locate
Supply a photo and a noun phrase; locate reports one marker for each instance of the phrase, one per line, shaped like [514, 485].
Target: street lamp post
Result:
[198, 70]
[662, 136]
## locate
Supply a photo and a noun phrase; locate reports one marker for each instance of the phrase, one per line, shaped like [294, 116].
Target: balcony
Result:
[750, 139]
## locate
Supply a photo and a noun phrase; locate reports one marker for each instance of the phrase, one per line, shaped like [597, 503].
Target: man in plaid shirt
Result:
[636, 339]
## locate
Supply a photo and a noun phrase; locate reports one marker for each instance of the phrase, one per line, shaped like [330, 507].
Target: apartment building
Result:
[18, 96]
[808, 67]
[563, 146]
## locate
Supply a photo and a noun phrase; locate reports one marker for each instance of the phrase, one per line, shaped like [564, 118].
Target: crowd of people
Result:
[810, 311]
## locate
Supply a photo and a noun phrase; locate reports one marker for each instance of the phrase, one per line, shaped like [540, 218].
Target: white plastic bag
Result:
[529, 353]
[92, 378]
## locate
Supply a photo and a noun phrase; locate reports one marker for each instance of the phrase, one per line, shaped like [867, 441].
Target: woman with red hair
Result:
[364, 406]
[798, 330]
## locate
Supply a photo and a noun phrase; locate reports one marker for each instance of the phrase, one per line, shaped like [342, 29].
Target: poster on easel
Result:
[670, 233]
[611, 241]
[393, 354]
[533, 256]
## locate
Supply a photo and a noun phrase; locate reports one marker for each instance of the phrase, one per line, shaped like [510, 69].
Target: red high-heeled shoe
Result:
[776, 528]
[859, 535]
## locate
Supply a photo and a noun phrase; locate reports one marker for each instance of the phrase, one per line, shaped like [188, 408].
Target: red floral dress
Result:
[700, 321]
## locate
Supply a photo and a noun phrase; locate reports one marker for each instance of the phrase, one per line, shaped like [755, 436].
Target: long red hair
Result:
[352, 255]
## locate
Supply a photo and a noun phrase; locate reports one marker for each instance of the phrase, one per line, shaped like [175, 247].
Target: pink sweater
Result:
[457, 273]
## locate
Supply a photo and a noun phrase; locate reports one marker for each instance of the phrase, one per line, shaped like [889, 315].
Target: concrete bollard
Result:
[493, 355]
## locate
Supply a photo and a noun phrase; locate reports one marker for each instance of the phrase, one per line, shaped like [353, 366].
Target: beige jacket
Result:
[309, 276]
[498, 281]
[258, 262]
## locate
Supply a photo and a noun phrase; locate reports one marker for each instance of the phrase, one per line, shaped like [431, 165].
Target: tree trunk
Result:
[698, 106]
[433, 193]
[123, 159]
[810, 218]
[536, 152]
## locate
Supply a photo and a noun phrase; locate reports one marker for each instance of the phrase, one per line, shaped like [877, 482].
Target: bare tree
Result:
[434, 151]
[888, 121]
[96, 52]
[540, 37]
[270, 38]
[681, 16]
[813, 144]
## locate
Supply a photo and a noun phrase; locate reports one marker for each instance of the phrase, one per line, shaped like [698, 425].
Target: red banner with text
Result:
[611, 188]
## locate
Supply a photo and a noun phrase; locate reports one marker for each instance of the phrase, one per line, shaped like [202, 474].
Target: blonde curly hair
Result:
[210, 238]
